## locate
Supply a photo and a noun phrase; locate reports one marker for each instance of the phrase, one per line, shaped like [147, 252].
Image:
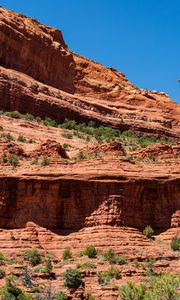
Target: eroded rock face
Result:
[73, 204]
[92, 91]
[36, 50]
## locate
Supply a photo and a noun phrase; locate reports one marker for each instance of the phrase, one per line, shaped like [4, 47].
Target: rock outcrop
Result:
[39, 51]
[36, 50]
[90, 189]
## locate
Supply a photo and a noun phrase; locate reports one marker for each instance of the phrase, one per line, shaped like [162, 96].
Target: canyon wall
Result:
[73, 204]
[36, 50]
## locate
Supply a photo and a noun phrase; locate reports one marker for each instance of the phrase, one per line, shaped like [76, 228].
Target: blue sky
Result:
[138, 37]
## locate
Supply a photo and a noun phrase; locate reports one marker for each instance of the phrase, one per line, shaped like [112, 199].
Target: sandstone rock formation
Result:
[90, 191]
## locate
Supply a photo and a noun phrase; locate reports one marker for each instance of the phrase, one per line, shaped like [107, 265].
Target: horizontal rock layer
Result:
[73, 204]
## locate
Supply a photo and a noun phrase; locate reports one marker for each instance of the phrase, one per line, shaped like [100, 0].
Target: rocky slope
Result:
[69, 186]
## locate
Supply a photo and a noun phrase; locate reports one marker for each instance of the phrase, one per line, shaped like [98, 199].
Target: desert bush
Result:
[61, 296]
[91, 251]
[175, 243]
[148, 232]
[72, 278]
[130, 291]
[35, 161]
[110, 256]
[49, 266]
[49, 122]
[4, 158]
[121, 259]
[45, 161]
[80, 156]
[2, 258]
[90, 297]
[68, 135]
[66, 146]
[13, 160]
[104, 277]
[21, 139]
[86, 265]
[31, 141]
[162, 287]
[67, 254]
[13, 114]
[11, 292]
[29, 117]
[32, 256]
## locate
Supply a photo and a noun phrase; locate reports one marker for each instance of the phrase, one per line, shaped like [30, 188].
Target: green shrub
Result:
[11, 292]
[103, 279]
[110, 256]
[175, 243]
[4, 158]
[148, 232]
[91, 251]
[2, 273]
[68, 135]
[49, 266]
[67, 254]
[32, 256]
[31, 141]
[72, 278]
[49, 122]
[29, 117]
[8, 137]
[121, 259]
[105, 276]
[21, 139]
[45, 161]
[13, 114]
[113, 273]
[66, 146]
[35, 161]
[2, 258]
[132, 292]
[90, 297]
[61, 296]
[86, 265]
[162, 287]
[80, 156]
[13, 160]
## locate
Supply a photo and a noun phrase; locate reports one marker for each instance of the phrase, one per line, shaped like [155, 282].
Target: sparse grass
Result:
[66, 146]
[67, 254]
[175, 243]
[86, 265]
[148, 232]
[32, 256]
[13, 160]
[4, 158]
[21, 139]
[101, 133]
[105, 276]
[45, 161]
[35, 161]
[162, 287]
[68, 135]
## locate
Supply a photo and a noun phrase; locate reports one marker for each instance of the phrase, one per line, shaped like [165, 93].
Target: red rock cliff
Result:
[74, 204]
[36, 50]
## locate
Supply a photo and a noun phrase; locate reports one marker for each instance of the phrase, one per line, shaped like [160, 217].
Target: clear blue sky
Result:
[138, 37]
